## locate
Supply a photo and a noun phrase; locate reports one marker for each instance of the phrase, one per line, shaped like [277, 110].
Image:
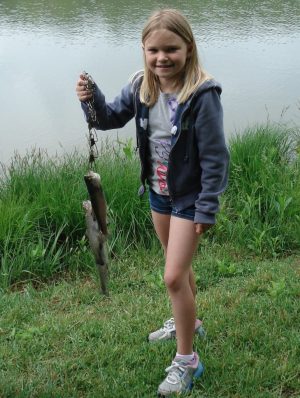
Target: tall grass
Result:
[261, 208]
[41, 217]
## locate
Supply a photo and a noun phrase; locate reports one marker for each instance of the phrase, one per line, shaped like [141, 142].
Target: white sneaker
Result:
[168, 331]
[181, 377]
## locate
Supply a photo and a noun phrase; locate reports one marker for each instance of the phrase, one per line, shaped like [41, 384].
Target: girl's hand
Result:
[83, 93]
[201, 228]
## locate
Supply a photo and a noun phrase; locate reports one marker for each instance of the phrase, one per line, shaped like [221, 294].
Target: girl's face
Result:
[165, 55]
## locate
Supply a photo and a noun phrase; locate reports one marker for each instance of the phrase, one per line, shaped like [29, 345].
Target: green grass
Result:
[60, 338]
[41, 217]
[261, 205]
[65, 340]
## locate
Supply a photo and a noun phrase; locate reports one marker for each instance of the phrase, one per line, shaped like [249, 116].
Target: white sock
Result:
[185, 358]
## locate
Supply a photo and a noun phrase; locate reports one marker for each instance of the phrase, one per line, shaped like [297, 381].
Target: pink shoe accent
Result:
[198, 323]
[192, 364]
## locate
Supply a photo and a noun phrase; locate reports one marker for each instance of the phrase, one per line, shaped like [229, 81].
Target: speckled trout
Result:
[96, 226]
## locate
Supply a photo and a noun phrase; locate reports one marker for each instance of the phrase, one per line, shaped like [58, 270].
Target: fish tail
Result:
[103, 273]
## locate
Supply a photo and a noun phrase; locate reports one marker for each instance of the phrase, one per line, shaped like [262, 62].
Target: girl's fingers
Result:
[81, 85]
[198, 229]
[83, 96]
[201, 228]
[81, 89]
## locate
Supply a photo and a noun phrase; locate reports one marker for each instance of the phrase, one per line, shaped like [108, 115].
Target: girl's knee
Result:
[174, 281]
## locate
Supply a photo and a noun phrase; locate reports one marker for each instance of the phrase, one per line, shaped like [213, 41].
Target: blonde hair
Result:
[194, 74]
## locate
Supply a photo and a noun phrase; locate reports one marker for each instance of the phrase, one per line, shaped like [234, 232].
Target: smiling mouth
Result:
[164, 66]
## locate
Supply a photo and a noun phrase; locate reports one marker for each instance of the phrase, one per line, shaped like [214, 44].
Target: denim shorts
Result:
[162, 204]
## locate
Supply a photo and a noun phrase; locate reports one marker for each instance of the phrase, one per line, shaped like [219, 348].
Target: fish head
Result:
[87, 206]
[91, 175]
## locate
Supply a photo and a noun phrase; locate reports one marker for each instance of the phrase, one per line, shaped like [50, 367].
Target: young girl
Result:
[184, 161]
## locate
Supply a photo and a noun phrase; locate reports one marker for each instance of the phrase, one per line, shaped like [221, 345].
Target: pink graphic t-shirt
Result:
[161, 119]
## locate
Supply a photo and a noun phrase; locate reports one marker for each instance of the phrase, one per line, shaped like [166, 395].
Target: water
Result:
[252, 48]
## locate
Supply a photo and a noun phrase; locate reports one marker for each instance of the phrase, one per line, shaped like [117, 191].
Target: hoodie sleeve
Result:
[114, 114]
[213, 156]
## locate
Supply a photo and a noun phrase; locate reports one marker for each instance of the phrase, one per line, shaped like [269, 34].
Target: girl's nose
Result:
[162, 57]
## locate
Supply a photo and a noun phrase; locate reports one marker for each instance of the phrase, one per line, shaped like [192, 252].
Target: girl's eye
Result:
[152, 50]
[172, 49]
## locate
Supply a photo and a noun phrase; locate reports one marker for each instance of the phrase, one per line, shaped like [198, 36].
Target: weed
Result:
[42, 223]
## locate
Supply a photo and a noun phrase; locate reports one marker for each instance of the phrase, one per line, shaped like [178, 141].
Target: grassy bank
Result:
[60, 338]
[261, 205]
[42, 224]
[41, 218]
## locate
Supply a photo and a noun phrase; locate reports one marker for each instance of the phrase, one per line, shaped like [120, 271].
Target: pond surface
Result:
[252, 48]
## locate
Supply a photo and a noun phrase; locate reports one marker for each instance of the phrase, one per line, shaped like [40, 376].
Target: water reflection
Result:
[237, 18]
[251, 47]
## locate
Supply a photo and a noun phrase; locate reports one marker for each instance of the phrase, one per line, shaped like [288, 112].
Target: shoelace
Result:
[169, 324]
[175, 372]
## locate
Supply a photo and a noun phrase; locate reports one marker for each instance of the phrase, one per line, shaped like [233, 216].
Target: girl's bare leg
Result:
[162, 225]
[182, 244]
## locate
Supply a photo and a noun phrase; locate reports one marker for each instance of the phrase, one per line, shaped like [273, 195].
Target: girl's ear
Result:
[143, 47]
